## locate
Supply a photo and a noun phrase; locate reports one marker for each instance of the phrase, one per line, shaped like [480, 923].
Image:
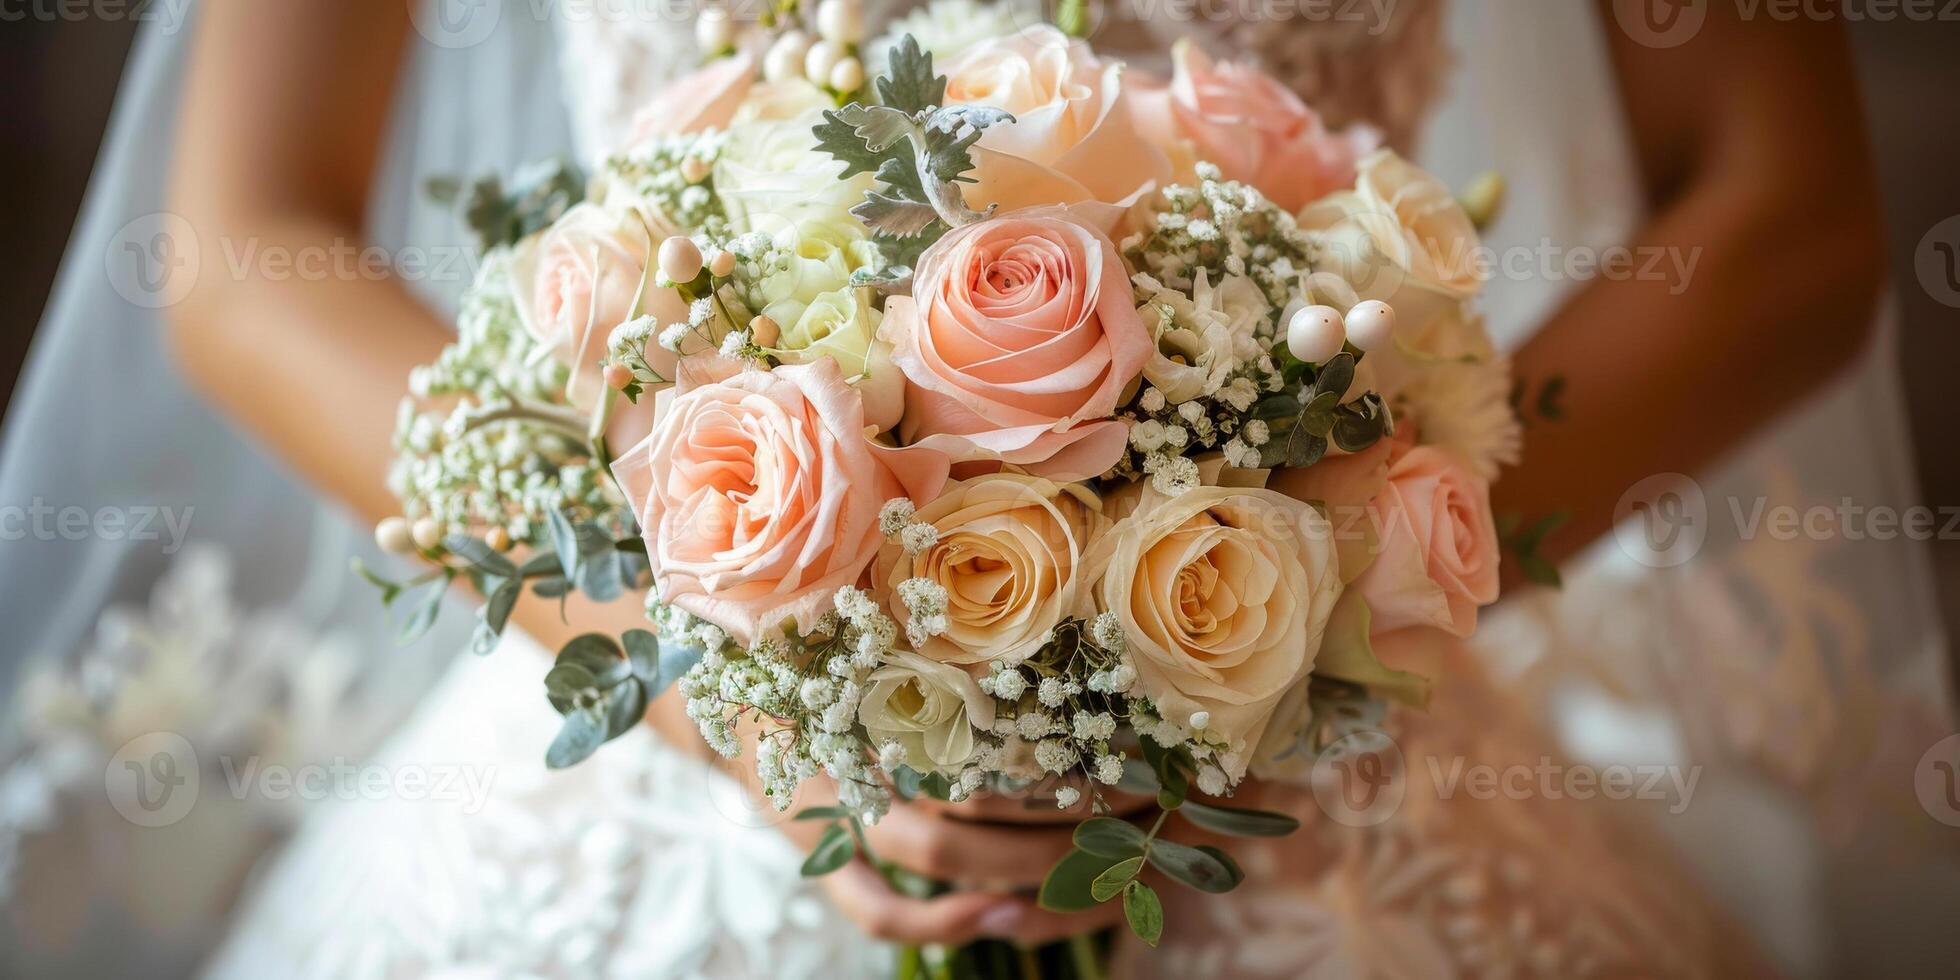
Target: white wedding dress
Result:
[1800, 675]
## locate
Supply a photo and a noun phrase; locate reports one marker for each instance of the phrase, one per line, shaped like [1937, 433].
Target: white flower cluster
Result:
[473, 465]
[1218, 265]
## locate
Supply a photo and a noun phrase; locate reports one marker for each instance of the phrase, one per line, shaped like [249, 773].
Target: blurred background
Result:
[60, 77]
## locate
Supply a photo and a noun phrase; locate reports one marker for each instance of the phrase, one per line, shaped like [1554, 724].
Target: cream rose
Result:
[819, 314]
[1436, 544]
[1400, 237]
[929, 708]
[577, 280]
[1201, 339]
[1255, 129]
[759, 494]
[1223, 594]
[1018, 341]
[770, 170]
[1072, 138]
[1009, 555]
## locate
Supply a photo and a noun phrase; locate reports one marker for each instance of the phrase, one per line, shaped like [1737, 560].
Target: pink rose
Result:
[758, 495]
[1255, 129]
[1072, 138]
[1017, 342]
[1436, 551]
[575, 282]
[704, 99]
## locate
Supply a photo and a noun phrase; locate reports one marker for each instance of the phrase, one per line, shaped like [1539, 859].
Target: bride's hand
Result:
[995, 849]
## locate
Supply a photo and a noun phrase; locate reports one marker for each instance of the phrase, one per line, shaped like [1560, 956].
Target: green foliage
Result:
[834, 850]
[1237, 822]
[1144, 912]
[1523, 540]
[496, 215]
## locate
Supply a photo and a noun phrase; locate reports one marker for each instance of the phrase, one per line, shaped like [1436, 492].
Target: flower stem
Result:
[1087, 958]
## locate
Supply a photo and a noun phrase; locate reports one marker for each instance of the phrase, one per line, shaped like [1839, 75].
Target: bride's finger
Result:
[931, 844]
[953, 918]
[1025, 922]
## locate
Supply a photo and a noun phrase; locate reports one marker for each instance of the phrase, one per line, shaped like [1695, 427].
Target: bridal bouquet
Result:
[975, 414]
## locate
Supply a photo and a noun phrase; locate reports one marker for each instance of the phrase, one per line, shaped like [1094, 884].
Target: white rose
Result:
[772, 167]
[1223, 594]
[930, 708]
[1200, 343]
[1400, 237]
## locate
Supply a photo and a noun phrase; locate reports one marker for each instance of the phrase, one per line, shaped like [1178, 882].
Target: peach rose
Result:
[1017, 342]
[704, 99]
[577, 280]
[1009, 555]
[1072, 138]
[1436, 544]
[1255, 129]
[1223, 594]
[759, 494]
[1400, 237]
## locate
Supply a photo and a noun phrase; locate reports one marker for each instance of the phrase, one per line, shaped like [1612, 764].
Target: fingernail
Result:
[1001, 920]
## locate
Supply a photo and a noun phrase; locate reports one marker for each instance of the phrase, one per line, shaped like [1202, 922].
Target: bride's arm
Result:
[281, 124]
[1752, 145]
[282, 119]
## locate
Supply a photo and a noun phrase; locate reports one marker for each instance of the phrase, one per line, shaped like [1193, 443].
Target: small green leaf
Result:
[822, 813]
[626, 707]
[390, 590]
[1239, 823]
[1335, 377]
[564, 538]
[1539, 571]
[1318, 415]
[582, 735]
[834, 850]
[426, 610]
[600, 656]
[1145, 912]
[1110, 883]
[1109, 837]
[538, 564]
[479, 554]
[1066, 889]
[1198, 867]
[1137, 778]
[908, 84]
[1304, 448]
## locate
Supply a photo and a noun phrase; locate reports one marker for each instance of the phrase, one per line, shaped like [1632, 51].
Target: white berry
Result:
[840, 21]
[393, 536]
[822, 57]
[847, 75]
[680, 259]
[714, 31]
[1315, 334]
[1371, 325]
[785, 58]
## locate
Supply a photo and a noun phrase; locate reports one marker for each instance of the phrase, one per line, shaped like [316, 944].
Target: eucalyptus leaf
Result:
[1198, 867]
[390, 590]
[1137, 778]
[1066, 889]
[479, 554]
[600, 656]
[1237, 822]
[1304, 448]
[834, 850]
[539, 563]
[564, 538]
[1336, 376]
[1109, 837]
[584, 731]
[1110, 883]
[1144, 911]
[821, 813]
[626, 707]
[427, 608]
